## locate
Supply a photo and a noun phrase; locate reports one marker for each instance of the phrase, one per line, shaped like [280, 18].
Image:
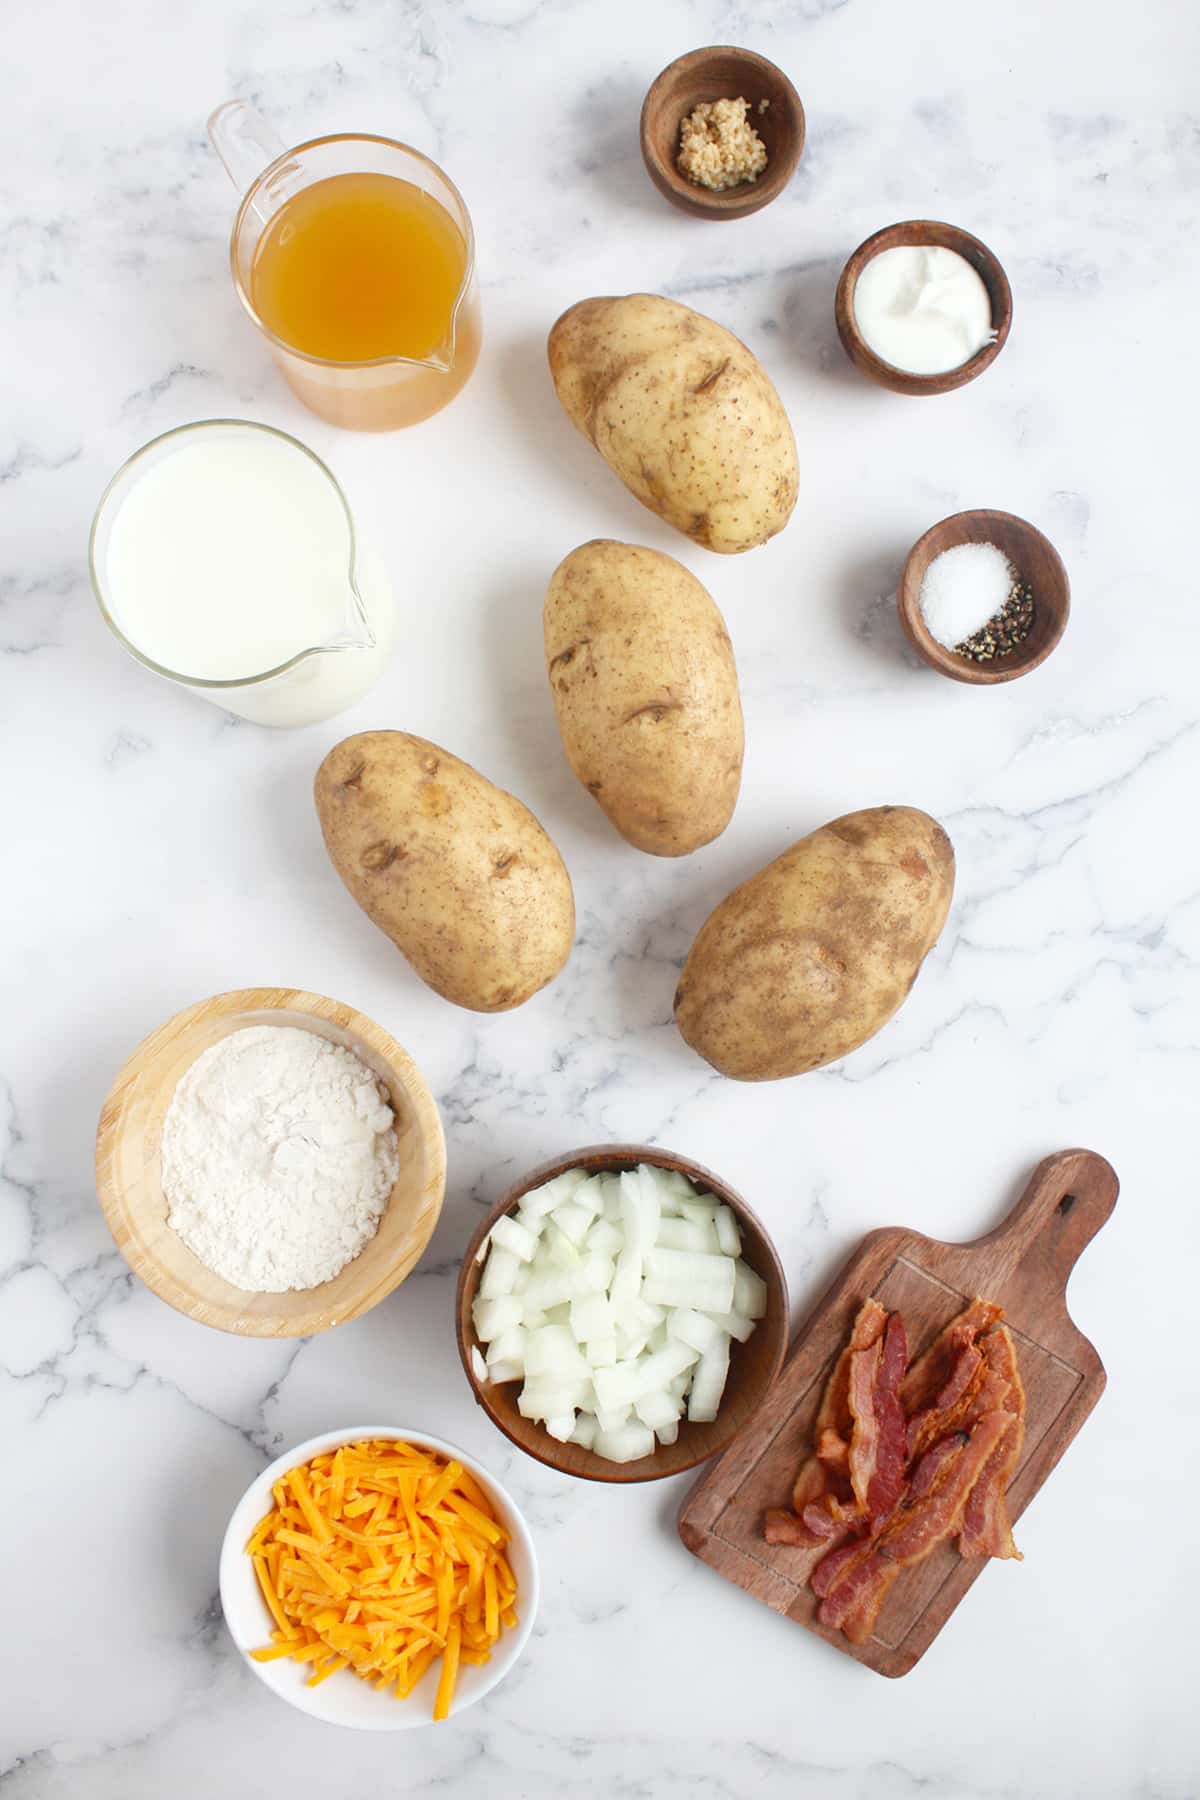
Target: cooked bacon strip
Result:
[834, 1422]
[923, 1521]
[933, 1421]
[931, 1371]
[877, 1444]
[813, 1492]
[839, 1565]
[864, 1441]
[833, 1450]
[822, 1509]
[891, 1460]
[986, 1530]
[783, 1527]
[822, 1486]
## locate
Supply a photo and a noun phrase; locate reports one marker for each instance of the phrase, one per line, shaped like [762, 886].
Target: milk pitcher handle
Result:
[246, 143]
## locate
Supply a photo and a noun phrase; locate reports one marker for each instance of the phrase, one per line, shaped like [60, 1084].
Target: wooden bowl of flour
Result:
[129, 1168]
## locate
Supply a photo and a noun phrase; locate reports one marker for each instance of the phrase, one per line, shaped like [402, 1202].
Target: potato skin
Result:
[458, 873]
[683, 412]
[806, 960]
[645, 687]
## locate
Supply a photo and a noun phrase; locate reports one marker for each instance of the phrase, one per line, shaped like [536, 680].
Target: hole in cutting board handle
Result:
[1065, 1204]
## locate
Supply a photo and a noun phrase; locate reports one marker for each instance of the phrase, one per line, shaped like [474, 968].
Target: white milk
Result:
[222, 553]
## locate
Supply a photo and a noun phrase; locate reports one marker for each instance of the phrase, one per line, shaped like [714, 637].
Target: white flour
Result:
[278, 1155]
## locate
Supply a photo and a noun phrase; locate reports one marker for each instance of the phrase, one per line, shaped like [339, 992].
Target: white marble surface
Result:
[156, 853]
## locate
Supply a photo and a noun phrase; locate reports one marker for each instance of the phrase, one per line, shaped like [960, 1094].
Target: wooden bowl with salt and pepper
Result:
[753, 1365]
[722, 72]
[923, 233]
[1035, 561]
[129, 1167]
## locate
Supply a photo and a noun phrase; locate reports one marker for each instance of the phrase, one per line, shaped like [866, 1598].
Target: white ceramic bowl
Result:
[344, 1699]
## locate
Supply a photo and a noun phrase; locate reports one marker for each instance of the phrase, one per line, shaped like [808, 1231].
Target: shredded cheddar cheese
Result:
[380, 1557]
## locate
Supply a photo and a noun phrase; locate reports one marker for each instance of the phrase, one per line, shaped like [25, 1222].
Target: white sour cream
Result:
[923, 309]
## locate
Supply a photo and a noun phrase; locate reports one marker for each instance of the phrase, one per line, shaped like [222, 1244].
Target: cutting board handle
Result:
[1068, 1199]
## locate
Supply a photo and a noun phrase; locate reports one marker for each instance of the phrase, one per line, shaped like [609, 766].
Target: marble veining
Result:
[159, 851]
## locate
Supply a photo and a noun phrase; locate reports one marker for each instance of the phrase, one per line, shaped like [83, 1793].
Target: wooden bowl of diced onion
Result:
[695, 1218]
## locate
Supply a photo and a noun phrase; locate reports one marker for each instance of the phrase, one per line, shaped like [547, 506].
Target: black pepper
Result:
[1005, 630]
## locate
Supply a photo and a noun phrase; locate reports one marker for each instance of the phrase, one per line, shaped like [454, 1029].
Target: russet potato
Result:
[682, 412]
[806, 960]
[458, 873]
[642, 673]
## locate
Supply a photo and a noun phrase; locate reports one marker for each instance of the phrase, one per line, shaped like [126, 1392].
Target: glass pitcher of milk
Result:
[224, 557]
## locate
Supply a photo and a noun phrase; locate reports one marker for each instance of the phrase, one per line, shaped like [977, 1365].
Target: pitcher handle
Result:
[246, 143]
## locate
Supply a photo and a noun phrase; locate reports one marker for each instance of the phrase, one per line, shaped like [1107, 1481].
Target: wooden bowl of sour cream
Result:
[129, 1167]
[933, 234]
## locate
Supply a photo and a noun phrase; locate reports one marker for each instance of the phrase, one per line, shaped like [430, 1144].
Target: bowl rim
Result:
[943, 235]
[135, 1069]
[233, 1554]
[747, 197]
[945, 661]
[619, 1156]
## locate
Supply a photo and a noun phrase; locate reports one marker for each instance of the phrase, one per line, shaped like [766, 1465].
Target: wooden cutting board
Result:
[1024, 1265]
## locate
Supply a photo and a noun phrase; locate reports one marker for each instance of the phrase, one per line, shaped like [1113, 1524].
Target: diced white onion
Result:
[552, 1351]
[700, 1210]
[550, 1400]
[591, 1317]
[550, 1287]
[689, 1278]
[509, 1235]
[685, 1234]
[556, 1251]
[573, 1221]
[729, 1238]
[613, 1299]
[509, 1346]
[611, 1189]
[491, 1317]
[657, 1408]
[499, 1275]
[596, 1272]
[735, 1323]
[590, 1195]
[626, 1444]
[585, 1430]
[698, 1329]
[708, 1383]
[749, 1292]
[540, 1201]
[605, 1237]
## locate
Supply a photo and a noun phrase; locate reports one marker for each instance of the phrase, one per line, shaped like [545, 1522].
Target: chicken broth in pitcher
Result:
[360, 266]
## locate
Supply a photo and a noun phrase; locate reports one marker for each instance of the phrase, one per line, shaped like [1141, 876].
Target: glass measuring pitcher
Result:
[224, 557]
[379, 392]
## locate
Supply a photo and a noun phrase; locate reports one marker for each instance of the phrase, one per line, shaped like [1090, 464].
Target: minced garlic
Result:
[718, 147]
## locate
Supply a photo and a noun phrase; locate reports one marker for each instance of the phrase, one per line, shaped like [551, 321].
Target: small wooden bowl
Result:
[722, 73]
[753, 1365]
[129, 1168]
[947, 237]
[1033, 557]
